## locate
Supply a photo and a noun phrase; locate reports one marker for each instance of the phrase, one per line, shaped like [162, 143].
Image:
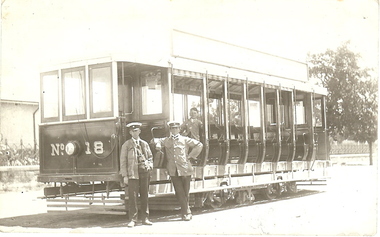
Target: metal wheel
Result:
[244, 196]
[215, 199]
[291, 187]
[272, 191]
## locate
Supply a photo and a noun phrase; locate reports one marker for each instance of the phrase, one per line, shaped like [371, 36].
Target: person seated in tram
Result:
[191, 127]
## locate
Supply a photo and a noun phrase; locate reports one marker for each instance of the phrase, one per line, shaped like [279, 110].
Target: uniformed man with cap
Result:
[136, 164]
[178, 163]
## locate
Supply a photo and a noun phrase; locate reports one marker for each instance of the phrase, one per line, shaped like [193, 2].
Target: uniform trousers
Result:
[136, 186]
[182, 187]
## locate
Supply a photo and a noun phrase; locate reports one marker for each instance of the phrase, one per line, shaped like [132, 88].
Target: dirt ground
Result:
[347, 205]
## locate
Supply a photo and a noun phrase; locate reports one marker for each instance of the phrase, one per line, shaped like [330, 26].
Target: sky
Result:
[36, 33]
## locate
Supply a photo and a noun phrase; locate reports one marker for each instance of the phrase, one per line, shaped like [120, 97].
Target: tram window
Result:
[101, 90]
[285, 110]
[235, 92]
[271, 114]
[300, 117]
[214, 111]
[151, 92]
[317, 118]
[254, 106]
[179, 107]
[49, 97]
[194, 101]
[254, 113]
[74, 94]
[186, 95]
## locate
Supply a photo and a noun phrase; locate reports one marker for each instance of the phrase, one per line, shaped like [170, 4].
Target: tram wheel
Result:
[244, 197]
[215, 199]
[291, 187]
[272, 191]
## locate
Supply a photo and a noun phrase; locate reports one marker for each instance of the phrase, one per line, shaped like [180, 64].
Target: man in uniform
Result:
[178, 164]
[136, 164]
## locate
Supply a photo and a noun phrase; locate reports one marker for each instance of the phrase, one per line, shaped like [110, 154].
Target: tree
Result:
[352, 95]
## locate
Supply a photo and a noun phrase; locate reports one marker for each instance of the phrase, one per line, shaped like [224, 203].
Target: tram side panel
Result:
[78, 148]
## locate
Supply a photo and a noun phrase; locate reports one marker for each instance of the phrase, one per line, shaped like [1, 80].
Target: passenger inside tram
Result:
[192, 127]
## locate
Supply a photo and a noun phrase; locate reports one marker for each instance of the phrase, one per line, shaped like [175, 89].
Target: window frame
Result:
[91, 98]
[42, 99]
[84, 91]
[164, 94]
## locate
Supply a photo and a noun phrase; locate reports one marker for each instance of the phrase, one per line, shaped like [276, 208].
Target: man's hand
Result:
[126, 180]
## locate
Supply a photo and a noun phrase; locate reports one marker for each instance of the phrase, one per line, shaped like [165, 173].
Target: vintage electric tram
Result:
[264, 123]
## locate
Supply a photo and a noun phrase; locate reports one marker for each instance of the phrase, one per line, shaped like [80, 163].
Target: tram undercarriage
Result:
[210, 191]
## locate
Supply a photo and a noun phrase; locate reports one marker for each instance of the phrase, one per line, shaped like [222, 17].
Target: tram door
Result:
[319, 123]
[125, 76]
[143, 96]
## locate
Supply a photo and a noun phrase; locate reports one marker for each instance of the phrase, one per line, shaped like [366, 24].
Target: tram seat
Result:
[236, 144]
[302, 148]
[253, 151]
[271, 146]
[236, 150]
[215, 144]
[286, 144]
[253, 145]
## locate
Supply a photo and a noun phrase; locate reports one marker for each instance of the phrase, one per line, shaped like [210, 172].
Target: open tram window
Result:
[235, 92]
[285, 109]
[101, 91]
[74, 93]
[318, 113]
[215, 109]
[186, 95]
[270, 98]
[126, 75]
[299, 108]
[236, 135]
[151, 92]
[50, 97]
[254, 122]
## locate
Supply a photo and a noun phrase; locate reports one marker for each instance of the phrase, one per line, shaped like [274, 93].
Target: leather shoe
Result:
[131, 224]
[147, 222]
[187, 217]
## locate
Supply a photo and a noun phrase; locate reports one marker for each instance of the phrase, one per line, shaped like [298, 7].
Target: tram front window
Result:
[49, 96]
[74, 102]
[101, 91]
[151, 92]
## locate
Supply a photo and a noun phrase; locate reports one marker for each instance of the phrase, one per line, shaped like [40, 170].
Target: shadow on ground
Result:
[83, 219]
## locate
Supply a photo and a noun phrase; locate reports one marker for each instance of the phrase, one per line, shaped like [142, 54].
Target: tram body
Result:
[264, 126]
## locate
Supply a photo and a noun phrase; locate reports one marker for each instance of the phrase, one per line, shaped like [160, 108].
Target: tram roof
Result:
[201, 55]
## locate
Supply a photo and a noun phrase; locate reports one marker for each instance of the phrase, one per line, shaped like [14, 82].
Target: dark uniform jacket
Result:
[177, 154]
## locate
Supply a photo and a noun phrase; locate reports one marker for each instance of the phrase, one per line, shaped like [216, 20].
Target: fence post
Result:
[22, 151]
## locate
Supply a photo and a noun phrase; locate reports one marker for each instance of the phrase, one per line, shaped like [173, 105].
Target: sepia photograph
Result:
[175, 117]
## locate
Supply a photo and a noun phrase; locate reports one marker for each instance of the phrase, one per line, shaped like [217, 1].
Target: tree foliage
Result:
[352, 94]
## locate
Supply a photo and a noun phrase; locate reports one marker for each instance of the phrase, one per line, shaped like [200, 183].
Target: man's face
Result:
[174, 130]
[193, 114]
[135, 133]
